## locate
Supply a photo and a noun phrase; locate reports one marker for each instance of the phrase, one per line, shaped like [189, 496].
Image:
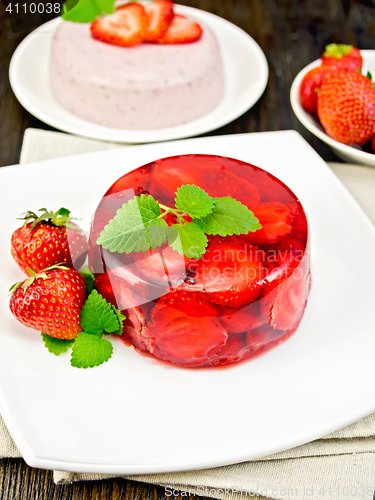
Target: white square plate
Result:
[133, 415]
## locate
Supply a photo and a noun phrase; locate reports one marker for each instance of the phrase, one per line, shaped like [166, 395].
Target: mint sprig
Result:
[98, 317]
[90, 350]
[229, 217]
[139, 225]
[194, 201]
[136, 227]
[56, 346]
[86, 11]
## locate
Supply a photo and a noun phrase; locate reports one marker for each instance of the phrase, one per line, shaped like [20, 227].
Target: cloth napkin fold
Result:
[337, 466]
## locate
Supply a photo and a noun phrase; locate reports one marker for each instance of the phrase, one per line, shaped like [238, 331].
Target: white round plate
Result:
[245, 67]
[350, 154]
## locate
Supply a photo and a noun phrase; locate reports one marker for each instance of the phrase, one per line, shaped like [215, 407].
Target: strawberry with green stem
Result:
[50, 301]
[48, 239]
[346, 107]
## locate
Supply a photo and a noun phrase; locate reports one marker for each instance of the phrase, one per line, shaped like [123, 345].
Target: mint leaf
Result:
[120, 318]
[136, 227]
[194, 201]
[90, 350]
[98, 315]
[86, 11]
[229, 217]
[56, 346]
[89, 279]
[188, 239]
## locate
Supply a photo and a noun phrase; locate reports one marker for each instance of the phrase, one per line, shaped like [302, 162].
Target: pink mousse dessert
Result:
[143, 87]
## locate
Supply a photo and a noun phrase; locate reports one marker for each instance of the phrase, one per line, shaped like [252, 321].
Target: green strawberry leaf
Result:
[337, 50]
[136, 227]
[86, 11]
[90, 350]
[56, 346]
[228, 217]
[194, 201]
[188, 239]
[98, 315]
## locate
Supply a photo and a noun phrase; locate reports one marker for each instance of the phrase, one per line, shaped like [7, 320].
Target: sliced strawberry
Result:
[185, 330]
[126, 27]
[160, 15]
[230, 272]
[181, 30]
[283, 307]
[262, 336]
[164, 265]
[211, 173]
[136, 315]
[275, 219]
[241, 319]
[234, 350]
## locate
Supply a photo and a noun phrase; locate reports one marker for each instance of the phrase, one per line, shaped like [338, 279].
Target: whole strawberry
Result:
[48, 239]
[51, 302]
[346, 107]
[342, 56]
[310, 87]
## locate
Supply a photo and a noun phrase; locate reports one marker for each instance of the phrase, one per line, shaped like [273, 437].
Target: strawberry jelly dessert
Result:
[244, 295]
[144, 87]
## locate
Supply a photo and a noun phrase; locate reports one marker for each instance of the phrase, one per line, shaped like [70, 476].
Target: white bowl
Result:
[351, 154]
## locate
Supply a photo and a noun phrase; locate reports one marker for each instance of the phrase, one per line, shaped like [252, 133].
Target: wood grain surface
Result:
[292, 33]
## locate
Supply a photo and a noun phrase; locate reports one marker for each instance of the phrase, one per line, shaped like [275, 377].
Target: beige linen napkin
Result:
[340, 465]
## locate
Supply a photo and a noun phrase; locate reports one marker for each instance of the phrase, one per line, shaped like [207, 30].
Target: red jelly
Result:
[245, 295]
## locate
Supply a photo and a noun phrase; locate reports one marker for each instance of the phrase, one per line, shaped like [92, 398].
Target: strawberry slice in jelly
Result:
[114, 291]
[185, 330]
[240, 319]
[230, 272]
[284, 306]
[211, 173]
[234, 350]
[275, 219]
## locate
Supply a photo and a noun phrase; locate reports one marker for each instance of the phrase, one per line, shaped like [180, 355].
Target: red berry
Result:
[185, 329]
[310, 87]
[234, 350]
[181, 30]
[38, 245]
[160, 14]
[275, 219]
[346, 107]
[283, 307]
[126, 27]
[213, 174]
[51, 302]
[230, 272]
[342, 57]
[240, 319]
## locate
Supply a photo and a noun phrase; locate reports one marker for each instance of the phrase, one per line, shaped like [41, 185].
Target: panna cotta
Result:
[144, 87]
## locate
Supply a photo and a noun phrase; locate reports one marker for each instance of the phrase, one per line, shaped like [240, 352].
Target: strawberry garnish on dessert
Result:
[346, 107]
[310, 87]
[48, 239]
[181, 30]
[160, 14]
[184, 329]
[275, 219]
[126, 27]
[50, 301]
[342, 57]
[230, 272]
